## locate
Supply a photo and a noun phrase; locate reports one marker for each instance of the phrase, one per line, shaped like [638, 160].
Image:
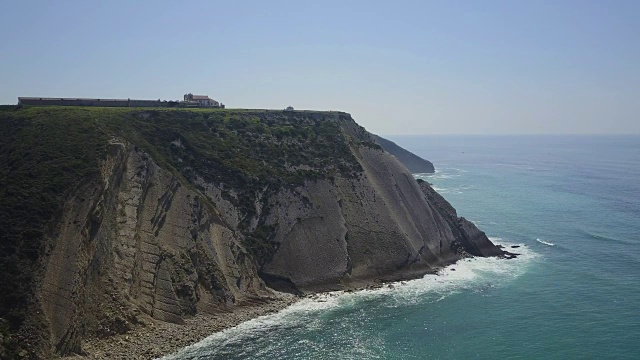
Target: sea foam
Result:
[472, 274]
[545, 242]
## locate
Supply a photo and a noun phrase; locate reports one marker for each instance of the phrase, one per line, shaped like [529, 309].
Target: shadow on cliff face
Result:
[279, 283]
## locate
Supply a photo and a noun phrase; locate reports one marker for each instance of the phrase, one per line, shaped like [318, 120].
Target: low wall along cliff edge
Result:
[95, 102]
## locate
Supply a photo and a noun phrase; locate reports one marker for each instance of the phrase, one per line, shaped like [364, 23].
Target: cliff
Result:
[413, 162]
[111, 218]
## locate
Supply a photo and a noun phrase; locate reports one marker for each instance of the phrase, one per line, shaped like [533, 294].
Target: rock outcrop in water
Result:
[165, 214]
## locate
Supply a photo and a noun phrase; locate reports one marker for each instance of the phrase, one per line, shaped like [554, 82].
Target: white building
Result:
[201, 100]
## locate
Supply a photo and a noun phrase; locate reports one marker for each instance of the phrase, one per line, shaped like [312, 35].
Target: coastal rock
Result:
[413, 162]
[163, 234]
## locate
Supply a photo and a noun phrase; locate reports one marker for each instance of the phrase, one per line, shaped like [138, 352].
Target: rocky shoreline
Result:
[157, 338]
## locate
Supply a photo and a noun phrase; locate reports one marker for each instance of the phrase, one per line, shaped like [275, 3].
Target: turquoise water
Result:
[571, 202]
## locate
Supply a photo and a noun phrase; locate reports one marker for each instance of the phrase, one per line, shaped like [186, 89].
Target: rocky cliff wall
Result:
[413, 162]
[140, 241]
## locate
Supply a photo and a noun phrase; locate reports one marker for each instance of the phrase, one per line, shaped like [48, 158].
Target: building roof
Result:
[201, 97]
[74, 99]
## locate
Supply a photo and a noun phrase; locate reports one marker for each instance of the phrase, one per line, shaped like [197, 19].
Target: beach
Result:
[155, 339]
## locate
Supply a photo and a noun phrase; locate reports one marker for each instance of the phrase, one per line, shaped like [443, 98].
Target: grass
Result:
[43, 156]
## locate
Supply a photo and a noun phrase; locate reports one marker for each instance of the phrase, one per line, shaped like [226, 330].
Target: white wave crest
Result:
[545, 242]
[440, 176]
[474, 274]
[454, 190]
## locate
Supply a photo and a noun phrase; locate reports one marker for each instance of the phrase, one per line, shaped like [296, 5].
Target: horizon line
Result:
[513, 134]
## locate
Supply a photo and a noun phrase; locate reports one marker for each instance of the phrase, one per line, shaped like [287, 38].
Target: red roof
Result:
[201, 97]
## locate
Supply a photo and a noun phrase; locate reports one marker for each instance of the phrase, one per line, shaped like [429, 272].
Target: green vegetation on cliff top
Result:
[46, 152]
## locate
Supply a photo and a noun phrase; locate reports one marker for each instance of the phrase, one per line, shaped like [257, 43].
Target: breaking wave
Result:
[313, 314]
[545, 242]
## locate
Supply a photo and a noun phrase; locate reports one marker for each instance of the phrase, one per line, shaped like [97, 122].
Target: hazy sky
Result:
[399, 67]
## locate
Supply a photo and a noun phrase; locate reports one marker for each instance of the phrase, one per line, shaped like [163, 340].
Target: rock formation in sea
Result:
[112, 217]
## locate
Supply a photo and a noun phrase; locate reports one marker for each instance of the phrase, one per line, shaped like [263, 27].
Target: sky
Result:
[399, 67]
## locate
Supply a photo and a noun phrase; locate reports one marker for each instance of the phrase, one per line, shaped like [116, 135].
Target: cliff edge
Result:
[115, 218]
[413, 162]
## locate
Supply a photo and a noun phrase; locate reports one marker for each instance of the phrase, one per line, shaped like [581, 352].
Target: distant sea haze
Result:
[568, 204]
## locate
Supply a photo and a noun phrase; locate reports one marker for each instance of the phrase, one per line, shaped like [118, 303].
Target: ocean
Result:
[571, 204]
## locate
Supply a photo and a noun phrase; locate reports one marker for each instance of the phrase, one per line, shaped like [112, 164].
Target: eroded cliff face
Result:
[413, 162]
[138, 242]
[380, 225]
[141, 241]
